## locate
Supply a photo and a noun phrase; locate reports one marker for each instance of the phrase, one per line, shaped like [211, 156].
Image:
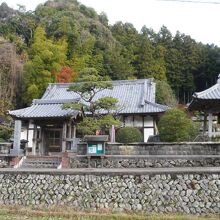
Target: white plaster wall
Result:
[24, 133]
[129, 121]
[148, 121]
[138, 121]
[30, 134]
[147, 133]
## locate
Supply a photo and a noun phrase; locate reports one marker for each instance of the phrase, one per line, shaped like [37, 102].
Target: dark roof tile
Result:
[135, 96]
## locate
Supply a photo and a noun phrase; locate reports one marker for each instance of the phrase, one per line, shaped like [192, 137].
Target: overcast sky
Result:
[199, 20]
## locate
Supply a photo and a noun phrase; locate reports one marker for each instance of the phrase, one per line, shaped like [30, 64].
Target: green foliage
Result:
[88, 85]
[67, 33]
[5, 132]
[103, 18]
[118, 64]
[107, 103]
[194, 130]
[89, 125]
[164, 94]
[175, 125]
[150, 59]
[106, 122]
[47, 58]
[32, 91]
[128, 135]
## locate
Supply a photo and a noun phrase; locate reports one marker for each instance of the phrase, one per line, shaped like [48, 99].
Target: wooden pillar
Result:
[43, 143]
[17, 138]
[75, 140]
[112, 134]
[205, 123]
[64, 137]
[34, 140]
[40, 146]
[73, 131]
[210, 125]
[69, 129]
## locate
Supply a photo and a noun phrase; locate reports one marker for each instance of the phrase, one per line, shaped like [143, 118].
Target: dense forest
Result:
[63, 37]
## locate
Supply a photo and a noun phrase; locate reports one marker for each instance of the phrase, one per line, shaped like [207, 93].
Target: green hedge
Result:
[128, 135]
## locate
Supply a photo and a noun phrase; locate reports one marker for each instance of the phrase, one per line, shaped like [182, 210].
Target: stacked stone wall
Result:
[203, 148]
[143, 162]
[147, 155]
[165, 193]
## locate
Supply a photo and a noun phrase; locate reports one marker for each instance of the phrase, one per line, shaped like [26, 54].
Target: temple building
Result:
[208, 102]
[48, 128]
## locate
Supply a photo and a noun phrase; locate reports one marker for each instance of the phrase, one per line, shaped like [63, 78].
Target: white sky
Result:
[199, 20]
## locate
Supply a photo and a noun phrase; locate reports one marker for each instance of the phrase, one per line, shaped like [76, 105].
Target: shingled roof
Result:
[207, 100]
[135, 97]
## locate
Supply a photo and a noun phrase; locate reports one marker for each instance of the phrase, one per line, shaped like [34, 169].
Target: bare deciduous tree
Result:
[10, 75]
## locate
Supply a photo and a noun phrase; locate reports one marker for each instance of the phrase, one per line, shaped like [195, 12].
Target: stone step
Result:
[32, 162]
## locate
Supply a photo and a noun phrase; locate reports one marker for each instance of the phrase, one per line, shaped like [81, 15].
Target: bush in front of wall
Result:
[128, 135]
[176, 126]
[5, 133]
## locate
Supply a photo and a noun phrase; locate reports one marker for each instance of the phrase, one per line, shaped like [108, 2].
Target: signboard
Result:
[95, 148]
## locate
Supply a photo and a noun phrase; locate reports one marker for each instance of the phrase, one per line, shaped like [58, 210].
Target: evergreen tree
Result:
[90, 83]
[46, 58]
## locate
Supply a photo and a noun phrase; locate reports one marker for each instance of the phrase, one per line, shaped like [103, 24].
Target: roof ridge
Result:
[113, 81]
[144, 93]
[50, 88]
[54, 101]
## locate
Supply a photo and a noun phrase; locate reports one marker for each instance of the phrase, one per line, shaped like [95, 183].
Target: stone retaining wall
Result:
[165, 193]
[145, 155]
[142, 162]
[203, 148]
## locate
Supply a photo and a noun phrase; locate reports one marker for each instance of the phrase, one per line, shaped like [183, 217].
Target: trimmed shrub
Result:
[128, 135]
[175, 125]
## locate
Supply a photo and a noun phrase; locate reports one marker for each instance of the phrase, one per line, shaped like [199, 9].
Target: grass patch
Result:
[24, 213]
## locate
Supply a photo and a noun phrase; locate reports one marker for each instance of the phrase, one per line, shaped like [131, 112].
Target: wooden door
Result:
[53, 139]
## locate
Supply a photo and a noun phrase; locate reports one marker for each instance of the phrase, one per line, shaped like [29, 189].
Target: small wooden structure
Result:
[96, 144]
[208, 102]
[48, 128]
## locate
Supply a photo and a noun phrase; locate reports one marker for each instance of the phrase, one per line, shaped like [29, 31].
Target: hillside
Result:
[62, 38]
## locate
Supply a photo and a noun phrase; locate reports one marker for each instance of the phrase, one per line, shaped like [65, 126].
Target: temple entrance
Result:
[53, 139]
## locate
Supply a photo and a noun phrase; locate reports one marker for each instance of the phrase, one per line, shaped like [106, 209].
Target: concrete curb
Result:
[103, 171]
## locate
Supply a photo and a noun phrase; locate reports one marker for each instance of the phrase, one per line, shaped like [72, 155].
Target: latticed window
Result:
[54, 138]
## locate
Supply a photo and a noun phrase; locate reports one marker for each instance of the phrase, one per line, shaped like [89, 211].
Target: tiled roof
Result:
[44, 110]
[134, 96]
[211, 93]
[207, 99]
